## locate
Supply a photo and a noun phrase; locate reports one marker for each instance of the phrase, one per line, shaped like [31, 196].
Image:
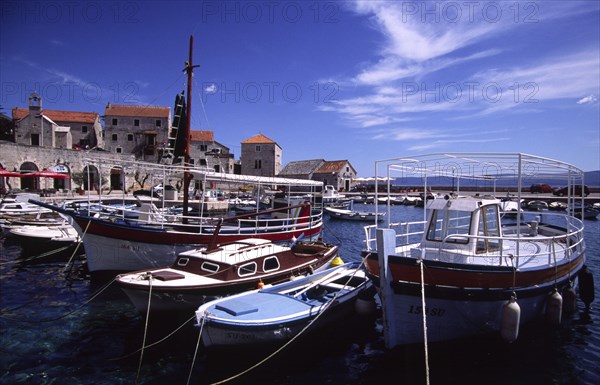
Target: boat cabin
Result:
[461, 227]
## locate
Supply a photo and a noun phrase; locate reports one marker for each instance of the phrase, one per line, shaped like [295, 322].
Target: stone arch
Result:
[91, 178]
[29, 183]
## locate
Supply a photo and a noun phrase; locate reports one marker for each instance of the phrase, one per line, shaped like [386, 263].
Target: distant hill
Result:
[592, 179]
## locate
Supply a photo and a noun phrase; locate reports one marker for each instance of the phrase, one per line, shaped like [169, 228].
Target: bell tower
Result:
[35, 103]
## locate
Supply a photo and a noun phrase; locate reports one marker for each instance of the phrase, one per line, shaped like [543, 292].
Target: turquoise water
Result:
[50, 334]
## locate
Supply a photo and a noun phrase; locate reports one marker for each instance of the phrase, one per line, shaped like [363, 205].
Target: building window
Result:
[202, 162]
[257, 164]
[114, 137]
[217, 168]
[35, 139]
[203, 147]
[257, 148]
[158, 123]
[130, 137]
[136, 122]
[84, 129]
[119, 150]
[115, 121]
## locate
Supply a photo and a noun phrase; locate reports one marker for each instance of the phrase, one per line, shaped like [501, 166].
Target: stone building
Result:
[260, 156]
[205, 152]
[338, 173]
[35, 126]
[139, 130]
[71, 163]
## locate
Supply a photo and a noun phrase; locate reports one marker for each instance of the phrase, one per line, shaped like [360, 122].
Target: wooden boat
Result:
[465, 271]
[279, 312]
[351, 215]
[206, 273]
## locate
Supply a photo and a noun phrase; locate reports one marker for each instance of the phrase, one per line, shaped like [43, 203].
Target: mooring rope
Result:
[78, 244]
[424, 323]
[137, 376]
[196, 351]
[100, 291]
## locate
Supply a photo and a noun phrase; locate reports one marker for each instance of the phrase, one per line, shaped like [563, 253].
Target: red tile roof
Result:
[202, 136]
[331, 166]
[59, 116]
[137, 111]
[260, 138]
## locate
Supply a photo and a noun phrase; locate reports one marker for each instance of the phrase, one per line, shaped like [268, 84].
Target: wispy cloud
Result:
[591, 99]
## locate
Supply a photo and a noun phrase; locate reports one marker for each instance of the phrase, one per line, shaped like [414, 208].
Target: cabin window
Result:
[247, 269]
[182, 261]
[489, 226]
[270, 264]
[210, 267]
[451, 223]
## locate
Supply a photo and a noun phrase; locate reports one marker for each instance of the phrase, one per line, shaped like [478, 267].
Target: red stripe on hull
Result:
[158, 236]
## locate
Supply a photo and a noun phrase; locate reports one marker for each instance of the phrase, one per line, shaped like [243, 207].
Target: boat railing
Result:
[240, 224]
[570, 234]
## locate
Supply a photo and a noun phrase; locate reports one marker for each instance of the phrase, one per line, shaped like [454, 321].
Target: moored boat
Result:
[279, 312]
[352, 215]
[466, 270]
[210, 272]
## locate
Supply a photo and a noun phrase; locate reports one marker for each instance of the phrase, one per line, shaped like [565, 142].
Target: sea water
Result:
[57, 326]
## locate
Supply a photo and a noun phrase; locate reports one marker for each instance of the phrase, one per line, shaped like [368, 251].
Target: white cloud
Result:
[591, 99]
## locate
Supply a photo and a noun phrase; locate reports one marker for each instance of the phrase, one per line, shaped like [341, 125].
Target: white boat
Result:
[278, 313]
[465, 271]
[330, 195]
[38, 239]
[537, 205]
[351, 215]
[206, 273]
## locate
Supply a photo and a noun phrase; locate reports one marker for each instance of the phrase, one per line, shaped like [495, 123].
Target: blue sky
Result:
[362, 81]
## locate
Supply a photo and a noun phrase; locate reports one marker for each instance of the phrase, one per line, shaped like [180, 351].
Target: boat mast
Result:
[187, 177]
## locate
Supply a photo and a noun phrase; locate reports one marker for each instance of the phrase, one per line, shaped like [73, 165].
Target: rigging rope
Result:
[424, 323]
[137, 376]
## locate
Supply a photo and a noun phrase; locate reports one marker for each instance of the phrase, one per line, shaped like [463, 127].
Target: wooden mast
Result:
[187, 177]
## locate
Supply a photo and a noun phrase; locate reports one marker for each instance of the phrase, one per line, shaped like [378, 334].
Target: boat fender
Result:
[554, 308]
[586, 286]
[511, 315]
[337, 261]
[261, 284]
[569, 300]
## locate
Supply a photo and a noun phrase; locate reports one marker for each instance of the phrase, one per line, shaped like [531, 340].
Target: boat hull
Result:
[122, 247]
[462, 300]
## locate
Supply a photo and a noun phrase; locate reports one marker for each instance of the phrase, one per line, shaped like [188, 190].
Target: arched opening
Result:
[29, 184]
[91, 178]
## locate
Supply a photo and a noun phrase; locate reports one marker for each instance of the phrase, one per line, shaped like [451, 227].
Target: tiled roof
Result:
[301, 167]
[59, 116]
[137, 111]
[331, 166]
[258, 139]
[202, 136]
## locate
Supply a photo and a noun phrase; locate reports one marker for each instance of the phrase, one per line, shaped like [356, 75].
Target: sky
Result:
[355, 80]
